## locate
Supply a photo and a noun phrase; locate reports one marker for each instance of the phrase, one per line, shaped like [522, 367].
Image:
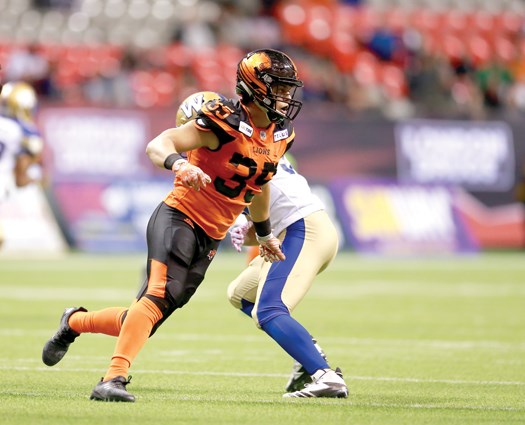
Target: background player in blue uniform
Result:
[270, 292]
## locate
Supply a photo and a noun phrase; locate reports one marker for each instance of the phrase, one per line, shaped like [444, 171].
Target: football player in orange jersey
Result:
[232, 152]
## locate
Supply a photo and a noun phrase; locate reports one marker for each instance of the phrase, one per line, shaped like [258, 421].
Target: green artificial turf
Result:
[420, 341]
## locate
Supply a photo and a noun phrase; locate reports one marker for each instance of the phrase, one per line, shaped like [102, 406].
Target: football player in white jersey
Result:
[20, 143]
[269, 292]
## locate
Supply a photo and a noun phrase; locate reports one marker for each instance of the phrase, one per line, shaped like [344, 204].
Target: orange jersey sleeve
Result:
[245, 160]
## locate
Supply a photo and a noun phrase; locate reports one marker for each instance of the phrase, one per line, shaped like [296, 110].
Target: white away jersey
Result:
[11, 137]
[290, 197]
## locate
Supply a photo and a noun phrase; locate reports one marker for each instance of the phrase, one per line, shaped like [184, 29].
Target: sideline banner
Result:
[478, 156]
[387, 218]
[83, 143]
[110, 215]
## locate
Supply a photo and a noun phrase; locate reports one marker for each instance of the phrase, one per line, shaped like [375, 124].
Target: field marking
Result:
[328, 401]
[349, 378]
[438, 407]
[227, 261]
[352, 341]
[357, 288]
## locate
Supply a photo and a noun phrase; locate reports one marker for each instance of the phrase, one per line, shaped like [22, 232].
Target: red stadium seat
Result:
[367, 68]
[397, 19]
[453, 21]
[509, 22]
[482, 22]
[393, 81]
[425, 20]
[319, 30]
[144, 91]
[344, 50]
[478, 48]
[504, 48]
[178, 56]
[292, 15]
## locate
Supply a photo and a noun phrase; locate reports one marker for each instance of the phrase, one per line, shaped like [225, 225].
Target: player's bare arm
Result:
[269, 245]
[260, 206]
[165, 149]
[179, 140]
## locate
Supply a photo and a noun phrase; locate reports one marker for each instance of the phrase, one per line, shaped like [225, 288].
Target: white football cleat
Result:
[325, 383]
[299, 376]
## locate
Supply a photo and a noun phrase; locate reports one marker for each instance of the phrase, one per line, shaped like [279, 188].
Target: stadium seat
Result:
[292, 16]
[393, 81]
[367, 68]
[319, 20]
[478, 48]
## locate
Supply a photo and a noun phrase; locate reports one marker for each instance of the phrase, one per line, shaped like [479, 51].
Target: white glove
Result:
[190, 175]
[270, 248]
[238, 233]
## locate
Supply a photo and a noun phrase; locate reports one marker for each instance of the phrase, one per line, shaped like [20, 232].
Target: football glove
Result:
[190, 175]
[238, 234]
[270, 248]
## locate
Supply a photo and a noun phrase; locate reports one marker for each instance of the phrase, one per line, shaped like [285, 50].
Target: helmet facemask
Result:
[269, 78]
[282, 90]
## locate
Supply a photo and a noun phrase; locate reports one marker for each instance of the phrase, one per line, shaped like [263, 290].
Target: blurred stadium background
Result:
[412, 129]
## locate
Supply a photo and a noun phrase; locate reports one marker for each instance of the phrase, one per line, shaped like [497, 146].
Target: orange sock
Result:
[107, 321]
[135, 331]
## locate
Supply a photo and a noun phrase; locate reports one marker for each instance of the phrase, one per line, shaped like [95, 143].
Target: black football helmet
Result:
[268, 76]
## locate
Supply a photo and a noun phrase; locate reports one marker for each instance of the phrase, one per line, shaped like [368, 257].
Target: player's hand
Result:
[191, 176]
[270, 248]
[238, 234]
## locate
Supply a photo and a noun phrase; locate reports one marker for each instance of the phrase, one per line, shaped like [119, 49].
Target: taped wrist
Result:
[170, 160]
[263, 228]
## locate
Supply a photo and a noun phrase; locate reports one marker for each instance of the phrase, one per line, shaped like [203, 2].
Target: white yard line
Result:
[268, 375]
[334, 341]
[228, 261]
[356, 288]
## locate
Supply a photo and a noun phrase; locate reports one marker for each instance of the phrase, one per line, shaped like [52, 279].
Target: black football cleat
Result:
[56, 348]
[113, 390]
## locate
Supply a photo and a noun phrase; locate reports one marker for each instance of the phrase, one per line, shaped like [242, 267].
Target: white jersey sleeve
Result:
[290, 197]
[11, 137]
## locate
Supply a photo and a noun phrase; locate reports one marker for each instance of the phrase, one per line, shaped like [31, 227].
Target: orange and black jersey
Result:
[245, 159]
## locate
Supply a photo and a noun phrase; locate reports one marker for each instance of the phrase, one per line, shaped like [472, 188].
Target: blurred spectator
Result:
[248, 31]
[494, 80]
[385, 42]
[25, 63]
[428, 78]
[198, 27]
[53, 4]
[374, 46]
[113, 85]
